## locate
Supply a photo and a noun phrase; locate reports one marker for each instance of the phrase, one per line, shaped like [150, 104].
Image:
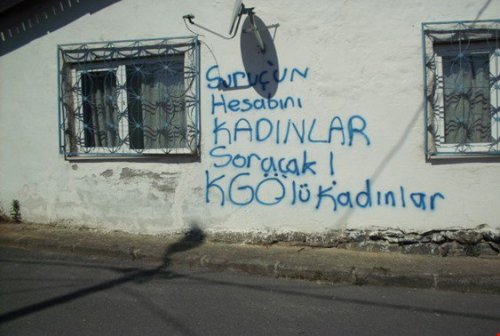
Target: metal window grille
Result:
[462, 87]
[129, 98]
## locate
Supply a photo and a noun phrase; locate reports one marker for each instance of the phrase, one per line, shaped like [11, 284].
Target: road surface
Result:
[48, 293]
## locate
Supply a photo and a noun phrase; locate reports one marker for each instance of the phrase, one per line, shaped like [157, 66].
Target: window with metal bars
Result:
[129, 98]
[462, 88]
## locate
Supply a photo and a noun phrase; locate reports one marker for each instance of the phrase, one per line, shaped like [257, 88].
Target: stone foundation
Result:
[482, 241]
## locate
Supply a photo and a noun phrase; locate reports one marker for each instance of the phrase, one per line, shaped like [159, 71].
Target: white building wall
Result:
[363, 58]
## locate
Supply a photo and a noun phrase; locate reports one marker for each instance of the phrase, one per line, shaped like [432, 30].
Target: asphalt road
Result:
[46, 293]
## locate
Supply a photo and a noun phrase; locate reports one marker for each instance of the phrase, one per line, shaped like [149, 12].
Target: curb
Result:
[465, 274]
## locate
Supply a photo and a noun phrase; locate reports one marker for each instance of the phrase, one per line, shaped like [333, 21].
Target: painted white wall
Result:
[364, 58]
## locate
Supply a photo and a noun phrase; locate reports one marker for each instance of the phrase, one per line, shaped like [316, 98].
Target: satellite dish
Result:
[256, 60]
[237, 11]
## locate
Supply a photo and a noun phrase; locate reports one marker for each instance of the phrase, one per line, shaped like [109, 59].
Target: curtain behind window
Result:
[100, 115]
[156, 104]
[467, 99]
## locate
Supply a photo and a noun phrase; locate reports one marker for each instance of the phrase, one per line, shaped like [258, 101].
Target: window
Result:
[462, 88]
[129, 98]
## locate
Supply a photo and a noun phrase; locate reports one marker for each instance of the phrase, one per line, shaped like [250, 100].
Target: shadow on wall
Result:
[343, 221]
[31, 19]
[481, 11]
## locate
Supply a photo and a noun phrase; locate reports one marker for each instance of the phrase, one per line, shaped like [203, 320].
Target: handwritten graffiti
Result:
[303, 131]
[239, 190]
[267, 164]
[241, 173]
[220, 104]
[263, 78]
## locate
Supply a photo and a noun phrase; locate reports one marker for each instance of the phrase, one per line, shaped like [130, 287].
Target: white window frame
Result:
[122, 99]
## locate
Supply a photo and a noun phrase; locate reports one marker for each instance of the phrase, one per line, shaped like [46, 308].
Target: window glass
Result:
[156, 108]
[467, 98]
[100, 117]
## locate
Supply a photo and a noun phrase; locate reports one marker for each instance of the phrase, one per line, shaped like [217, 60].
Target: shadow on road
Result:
[192, 239]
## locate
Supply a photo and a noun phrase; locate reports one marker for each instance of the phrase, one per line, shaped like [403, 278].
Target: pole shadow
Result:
[192, 239]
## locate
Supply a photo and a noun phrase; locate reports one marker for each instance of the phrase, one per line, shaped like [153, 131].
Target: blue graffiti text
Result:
[264, 78]
[337, 131]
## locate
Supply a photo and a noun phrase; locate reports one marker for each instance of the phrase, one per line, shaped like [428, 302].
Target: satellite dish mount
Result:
[239, 10]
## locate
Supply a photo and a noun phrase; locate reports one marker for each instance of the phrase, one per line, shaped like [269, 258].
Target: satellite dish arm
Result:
[238, 12]
[190, 18]
[255, 30]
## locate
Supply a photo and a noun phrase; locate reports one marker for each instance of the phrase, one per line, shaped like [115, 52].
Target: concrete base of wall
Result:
[481, 241]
